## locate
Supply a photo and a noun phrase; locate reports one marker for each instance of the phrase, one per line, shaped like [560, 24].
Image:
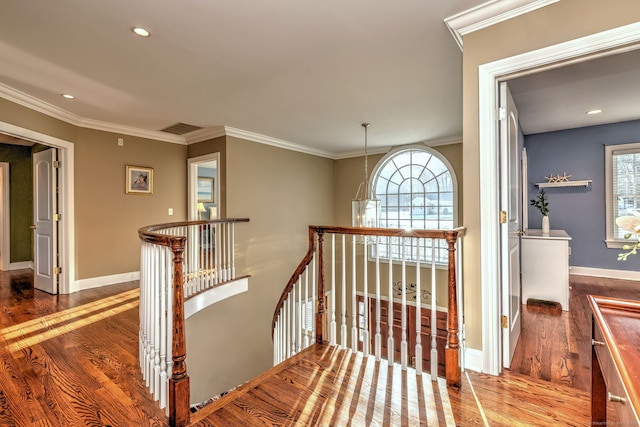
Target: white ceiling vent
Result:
[180, 128]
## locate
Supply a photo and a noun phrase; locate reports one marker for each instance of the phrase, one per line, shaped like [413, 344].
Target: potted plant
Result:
[541, 203]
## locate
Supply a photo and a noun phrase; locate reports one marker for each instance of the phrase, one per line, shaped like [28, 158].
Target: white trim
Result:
[21, 265]
[473, 360]
[275, 142]
[192, 182]
[610, 238]
[66, 240]
[43, 107]
[490, 13]
[96, 282]
[489, 75]
[5, 217]
[383, 150]
[215, 295]
[603, 272]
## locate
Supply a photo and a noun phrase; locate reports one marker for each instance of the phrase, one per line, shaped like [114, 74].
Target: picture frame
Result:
[206, 189]
[139, 180]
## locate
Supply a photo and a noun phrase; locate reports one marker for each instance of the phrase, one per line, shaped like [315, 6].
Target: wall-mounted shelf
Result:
[582, 183]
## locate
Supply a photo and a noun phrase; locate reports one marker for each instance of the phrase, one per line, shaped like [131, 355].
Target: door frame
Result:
[67, 283]
[608, 42]
[5, 217]
[192, 182]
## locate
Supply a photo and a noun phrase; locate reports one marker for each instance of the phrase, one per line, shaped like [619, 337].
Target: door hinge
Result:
[57, 217]
[57, 270]
[57, 163]
[505, 322]
[502, 113]
[503, 217]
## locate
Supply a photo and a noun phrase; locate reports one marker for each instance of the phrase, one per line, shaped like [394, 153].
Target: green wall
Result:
[21, 200]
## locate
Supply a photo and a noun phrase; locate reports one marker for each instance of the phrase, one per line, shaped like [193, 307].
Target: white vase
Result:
[545, 224]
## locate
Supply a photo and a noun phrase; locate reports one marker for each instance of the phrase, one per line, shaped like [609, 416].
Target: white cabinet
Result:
[545, 266]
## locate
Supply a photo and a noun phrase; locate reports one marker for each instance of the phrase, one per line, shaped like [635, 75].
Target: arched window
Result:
[417, 189]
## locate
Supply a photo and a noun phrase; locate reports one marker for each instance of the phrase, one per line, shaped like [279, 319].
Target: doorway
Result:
[490, 74]
[66, 244]
[204, 187]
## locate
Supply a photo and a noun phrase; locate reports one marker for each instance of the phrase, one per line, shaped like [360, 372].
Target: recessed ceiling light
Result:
[66, 95]
[141, 32]
[594, 111]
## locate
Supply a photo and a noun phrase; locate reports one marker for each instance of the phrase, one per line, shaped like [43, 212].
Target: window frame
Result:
[454, 180]
[611, 240]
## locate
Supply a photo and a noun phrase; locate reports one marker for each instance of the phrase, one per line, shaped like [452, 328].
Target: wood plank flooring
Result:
[71, 360]
[555, 346]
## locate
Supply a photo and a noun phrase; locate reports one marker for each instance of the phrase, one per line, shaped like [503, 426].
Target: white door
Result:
[45, 239]
[510, 200]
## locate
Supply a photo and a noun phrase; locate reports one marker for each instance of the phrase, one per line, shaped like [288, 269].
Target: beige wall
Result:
[282, 192]
[106, 218]
[559, 22]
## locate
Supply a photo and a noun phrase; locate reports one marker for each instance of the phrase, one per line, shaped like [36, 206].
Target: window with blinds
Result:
[417, 189]
[623, 186]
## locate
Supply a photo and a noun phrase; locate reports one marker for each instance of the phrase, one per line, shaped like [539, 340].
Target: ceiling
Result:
[306, 73]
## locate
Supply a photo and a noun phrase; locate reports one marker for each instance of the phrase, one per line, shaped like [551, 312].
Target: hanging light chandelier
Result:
[364, 208]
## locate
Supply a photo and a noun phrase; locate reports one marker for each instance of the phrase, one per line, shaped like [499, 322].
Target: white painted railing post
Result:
[343, 297]
[378, 336]
[404, 349]
[332, 327]
[434, 316]
[418, 351]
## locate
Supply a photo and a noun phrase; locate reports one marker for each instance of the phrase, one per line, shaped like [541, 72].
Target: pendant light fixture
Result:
[364, 208]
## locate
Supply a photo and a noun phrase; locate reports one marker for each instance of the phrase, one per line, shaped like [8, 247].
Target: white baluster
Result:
[295, 319]
[218, 253]
[314, 292]
[354, 312]
[378, 336]
[163, 333]
[233, 251]
[365, 297]
[343, 322]
[307, 306]
[404, 353]
[390, 313]
[418, 312]
[301, 313]
[332, 308]
[460, 288]
[434, 315]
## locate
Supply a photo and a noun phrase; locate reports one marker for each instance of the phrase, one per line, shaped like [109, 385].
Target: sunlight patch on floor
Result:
[53, 325]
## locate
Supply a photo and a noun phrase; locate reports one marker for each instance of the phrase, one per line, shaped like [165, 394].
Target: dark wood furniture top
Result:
[615, 359]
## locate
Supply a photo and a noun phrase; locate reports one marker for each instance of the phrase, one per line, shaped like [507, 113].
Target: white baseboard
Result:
[21, 265]
[602, 272]
[96, 282]
[473, 360]
[214, 295]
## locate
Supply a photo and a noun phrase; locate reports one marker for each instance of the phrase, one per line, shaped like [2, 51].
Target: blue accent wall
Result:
[579, 210]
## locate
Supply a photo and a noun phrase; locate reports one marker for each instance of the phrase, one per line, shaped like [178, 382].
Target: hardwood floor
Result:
[556, 346]
[71, 360]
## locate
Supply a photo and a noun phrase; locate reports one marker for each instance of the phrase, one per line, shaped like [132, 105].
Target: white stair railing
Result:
[177, 262]
[355, 253]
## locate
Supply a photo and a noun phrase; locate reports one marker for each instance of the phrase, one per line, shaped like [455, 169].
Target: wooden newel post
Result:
[453, 371]
[322, 300]
[179, 381]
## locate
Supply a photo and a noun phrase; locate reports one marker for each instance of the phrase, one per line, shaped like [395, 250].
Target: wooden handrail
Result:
[452, 350]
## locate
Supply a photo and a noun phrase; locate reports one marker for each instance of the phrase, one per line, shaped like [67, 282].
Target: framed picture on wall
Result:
[139, 180]
[205, 189]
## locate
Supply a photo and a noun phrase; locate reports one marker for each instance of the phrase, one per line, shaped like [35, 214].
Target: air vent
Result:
[180, 129]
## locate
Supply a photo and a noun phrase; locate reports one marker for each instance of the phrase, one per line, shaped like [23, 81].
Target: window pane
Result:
[416, 190]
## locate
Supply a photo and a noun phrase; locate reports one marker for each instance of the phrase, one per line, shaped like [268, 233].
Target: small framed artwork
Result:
[139, 180]
[205, 189]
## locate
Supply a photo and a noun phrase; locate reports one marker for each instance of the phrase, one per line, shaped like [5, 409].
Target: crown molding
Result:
[43, 107]
[132, 131]
[490, 13]
[385, 150]
[204, 134]
[275, 142]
